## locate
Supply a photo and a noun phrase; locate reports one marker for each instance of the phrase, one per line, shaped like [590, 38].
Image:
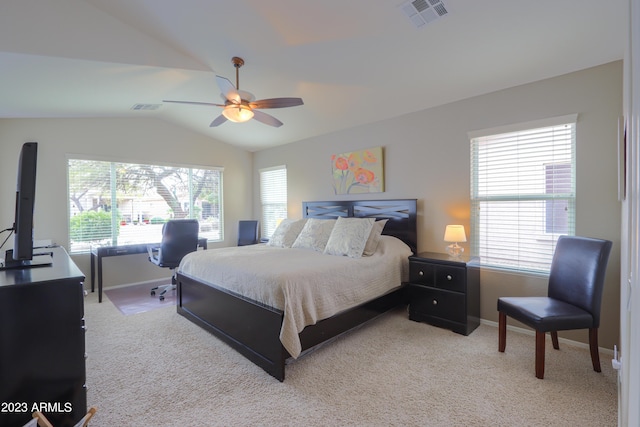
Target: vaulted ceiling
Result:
[352, 62]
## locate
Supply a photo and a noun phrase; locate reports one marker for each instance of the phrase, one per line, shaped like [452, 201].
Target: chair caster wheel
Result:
[153, 293]
[161, 298]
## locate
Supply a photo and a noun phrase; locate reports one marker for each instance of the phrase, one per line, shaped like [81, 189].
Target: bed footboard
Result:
[250, 328]
[253, 329]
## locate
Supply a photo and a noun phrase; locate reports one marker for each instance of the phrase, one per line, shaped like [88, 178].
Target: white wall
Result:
[135, 140]
[427, 157]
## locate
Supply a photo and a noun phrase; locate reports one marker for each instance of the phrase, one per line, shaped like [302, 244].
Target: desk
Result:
[99, 252]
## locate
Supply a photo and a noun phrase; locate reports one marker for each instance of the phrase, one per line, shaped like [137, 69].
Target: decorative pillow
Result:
[349, 237]
[315, 234]
[286, 233]
[374, 237]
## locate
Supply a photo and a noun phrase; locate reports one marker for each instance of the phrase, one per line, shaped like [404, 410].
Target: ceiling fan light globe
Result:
[237, 113]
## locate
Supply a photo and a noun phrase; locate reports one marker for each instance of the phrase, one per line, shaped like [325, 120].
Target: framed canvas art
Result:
[358, 171]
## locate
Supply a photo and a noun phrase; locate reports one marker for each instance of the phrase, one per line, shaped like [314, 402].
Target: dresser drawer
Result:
[437, 276]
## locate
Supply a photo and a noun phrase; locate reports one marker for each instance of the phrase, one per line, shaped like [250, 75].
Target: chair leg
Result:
[502, 332]
[540, 338]
[593, 346]
[554, 340]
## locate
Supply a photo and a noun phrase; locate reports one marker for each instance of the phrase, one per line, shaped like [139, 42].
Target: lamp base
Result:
[454, 250]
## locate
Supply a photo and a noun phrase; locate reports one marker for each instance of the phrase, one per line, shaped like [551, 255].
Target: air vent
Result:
[145, 107]
[423, 12]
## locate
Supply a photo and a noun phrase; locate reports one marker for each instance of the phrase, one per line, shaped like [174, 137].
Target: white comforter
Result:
[307, 285]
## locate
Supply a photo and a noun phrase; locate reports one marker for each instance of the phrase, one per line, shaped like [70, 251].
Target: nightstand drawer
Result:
[438, 276]
[422, 273]
[438, 303]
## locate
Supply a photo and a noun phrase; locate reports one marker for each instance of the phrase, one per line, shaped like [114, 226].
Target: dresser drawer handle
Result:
[449, 277]
[421, 273]
[434, 302]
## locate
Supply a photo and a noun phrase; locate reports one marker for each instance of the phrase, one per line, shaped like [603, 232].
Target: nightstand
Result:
[445, 291]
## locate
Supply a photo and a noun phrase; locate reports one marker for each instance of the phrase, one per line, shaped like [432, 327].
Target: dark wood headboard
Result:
[401, 213]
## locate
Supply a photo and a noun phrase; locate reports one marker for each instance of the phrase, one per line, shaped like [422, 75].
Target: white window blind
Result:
[273, 197]
[523, 193]
[112, 203]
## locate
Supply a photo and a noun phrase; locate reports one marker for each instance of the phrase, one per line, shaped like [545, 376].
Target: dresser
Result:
[445, 291]
[42, 342]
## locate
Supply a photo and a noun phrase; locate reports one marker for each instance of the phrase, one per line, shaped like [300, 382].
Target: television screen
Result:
[25, 201]
[22, 256]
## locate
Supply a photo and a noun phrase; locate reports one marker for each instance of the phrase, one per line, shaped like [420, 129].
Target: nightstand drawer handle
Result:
[434, 302]
[449, 277]
[421, 273]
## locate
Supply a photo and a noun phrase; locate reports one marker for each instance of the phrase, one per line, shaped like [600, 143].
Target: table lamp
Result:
[455, 234]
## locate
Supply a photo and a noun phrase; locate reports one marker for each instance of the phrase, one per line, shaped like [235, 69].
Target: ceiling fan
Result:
[239, 105]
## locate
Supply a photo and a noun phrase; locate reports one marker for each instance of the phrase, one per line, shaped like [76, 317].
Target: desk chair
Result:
[247, 232]
[574, 297]
[179, 237]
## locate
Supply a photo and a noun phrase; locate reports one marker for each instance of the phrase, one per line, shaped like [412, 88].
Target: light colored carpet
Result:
[157, 368]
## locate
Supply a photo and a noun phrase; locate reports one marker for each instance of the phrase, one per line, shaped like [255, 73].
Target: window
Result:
[273, 197]
[113, 203]
[522, 192]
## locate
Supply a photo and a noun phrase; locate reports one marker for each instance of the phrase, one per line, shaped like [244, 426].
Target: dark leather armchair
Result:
[247, 232]
[179, 237]
[574, 297]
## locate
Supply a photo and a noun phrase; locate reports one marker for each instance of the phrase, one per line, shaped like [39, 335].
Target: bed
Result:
[254, 327]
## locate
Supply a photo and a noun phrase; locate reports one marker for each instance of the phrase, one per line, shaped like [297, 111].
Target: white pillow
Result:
[349, 236]
[286, 233]
[374, 237]
[315, 234]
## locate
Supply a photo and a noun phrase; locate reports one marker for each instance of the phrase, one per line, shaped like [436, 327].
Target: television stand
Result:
[42, 343]
[42, 259]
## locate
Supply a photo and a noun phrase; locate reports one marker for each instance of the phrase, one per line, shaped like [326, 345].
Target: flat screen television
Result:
[22, 256]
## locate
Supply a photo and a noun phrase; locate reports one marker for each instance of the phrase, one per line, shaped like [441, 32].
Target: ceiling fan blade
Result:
[276, 103]
[266, 119]
[218, 121]
[228, 90]
[194, 103]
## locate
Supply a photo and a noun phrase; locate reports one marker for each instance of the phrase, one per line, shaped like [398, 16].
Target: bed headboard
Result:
[401, 214]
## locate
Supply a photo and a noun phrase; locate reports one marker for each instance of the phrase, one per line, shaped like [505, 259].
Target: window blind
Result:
[273, 197]
[523, 194]
[114, 203]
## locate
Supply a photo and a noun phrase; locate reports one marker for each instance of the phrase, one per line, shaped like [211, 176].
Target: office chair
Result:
[247, 232]
[574, 297]
[179, 237]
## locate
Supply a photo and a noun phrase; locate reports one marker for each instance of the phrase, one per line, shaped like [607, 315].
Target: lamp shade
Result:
[455, 233]
[237, 113]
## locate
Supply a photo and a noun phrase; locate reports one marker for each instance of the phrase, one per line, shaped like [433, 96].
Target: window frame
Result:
[280, 211]
[544, 245]
[115, 213]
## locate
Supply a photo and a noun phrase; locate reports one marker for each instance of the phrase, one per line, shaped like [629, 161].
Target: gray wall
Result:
[427, 157]
[135, 140]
